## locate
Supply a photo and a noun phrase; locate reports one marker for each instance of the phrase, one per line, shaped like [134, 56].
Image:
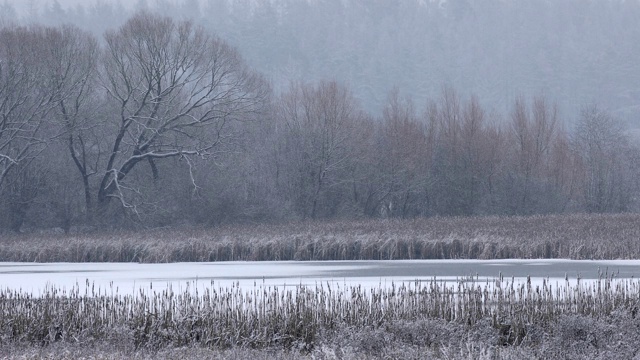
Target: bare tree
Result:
[532, 135]
[176, 90]
[472, 172]
[448, 117]
[601, 147]
[467, 155]
[46, 76]
[404, 154]
[322, 132]
[25, 98]
[493, 149]
[564, 172]
[71, 67]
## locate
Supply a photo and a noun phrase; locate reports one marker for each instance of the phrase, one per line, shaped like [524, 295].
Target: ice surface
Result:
[128, 278]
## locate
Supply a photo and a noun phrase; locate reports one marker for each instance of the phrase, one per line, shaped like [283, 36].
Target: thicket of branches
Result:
[160, 122]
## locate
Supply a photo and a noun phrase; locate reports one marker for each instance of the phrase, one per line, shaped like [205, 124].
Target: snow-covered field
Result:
[130, 278]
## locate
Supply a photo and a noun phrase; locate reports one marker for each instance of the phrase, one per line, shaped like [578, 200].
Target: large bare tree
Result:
[175, 92]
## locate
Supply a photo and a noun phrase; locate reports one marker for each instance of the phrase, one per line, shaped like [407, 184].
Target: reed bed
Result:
[560, 236]
[300, 318]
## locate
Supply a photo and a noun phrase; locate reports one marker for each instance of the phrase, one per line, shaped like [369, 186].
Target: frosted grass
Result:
[263, 316]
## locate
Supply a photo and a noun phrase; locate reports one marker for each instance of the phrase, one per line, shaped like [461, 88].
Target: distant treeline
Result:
[163, 123]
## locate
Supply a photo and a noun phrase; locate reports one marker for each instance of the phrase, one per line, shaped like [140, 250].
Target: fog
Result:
[572, 51]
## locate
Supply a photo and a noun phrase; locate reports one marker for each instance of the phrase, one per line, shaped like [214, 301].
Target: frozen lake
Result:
[131, 277]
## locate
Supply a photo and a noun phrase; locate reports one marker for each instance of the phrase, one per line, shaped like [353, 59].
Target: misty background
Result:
[573, 51]
[323, 110]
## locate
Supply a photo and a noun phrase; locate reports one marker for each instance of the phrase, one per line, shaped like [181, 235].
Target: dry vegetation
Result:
[421, 320]
[410, 320]
[561, 236]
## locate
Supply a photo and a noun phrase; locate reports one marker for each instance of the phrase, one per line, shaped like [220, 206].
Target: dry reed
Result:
[561, 236]
[267, 317]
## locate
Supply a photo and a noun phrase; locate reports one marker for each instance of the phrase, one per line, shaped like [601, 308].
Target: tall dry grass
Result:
[302, 319]
[563, 236]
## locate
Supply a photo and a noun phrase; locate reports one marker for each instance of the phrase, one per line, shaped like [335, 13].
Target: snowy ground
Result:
[128, 278]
